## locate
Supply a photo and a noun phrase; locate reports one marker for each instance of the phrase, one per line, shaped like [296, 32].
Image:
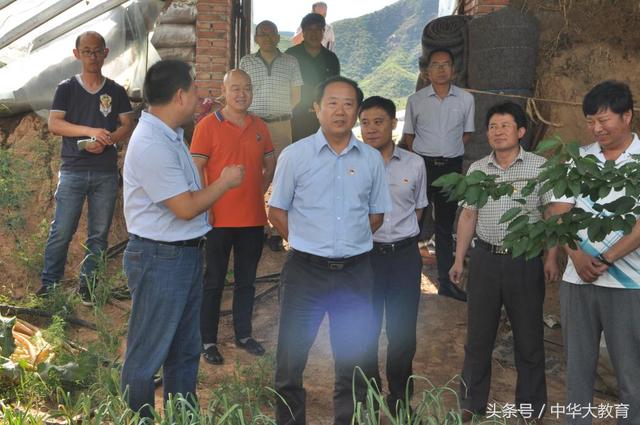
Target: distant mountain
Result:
[380, 50]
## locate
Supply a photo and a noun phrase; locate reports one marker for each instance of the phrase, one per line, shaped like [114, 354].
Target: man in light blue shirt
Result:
[396, 261]
[329, 196]
[165, 210]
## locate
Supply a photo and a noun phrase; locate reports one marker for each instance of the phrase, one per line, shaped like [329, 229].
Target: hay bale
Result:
[174, 35]
[179, 13]
[503, 48]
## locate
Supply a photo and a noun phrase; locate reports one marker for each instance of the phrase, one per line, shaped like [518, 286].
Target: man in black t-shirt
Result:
[92, 114]
[317, 63]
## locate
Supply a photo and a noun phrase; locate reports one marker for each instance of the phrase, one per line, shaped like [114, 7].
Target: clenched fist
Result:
[232, 175]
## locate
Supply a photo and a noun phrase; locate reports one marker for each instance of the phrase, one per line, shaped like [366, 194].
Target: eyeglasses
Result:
[97, 53]
[439, 66]
[504, 126]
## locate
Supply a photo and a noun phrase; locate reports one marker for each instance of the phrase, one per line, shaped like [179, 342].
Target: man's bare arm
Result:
[268, 168]
[406, 141]
[466, 229]
[375, 221]
[200, 164]
[280, 220]
[295, 96]
[419, 213]
[124, 130]
[466, 138]
[59, 126]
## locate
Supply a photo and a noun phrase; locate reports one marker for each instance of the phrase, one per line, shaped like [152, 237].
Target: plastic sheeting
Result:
[31, 75]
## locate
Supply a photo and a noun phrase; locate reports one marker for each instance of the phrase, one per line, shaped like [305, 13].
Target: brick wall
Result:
[481, 7]
[213, 45]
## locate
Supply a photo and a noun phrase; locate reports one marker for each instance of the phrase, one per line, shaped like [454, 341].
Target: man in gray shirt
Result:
[395, 257]
[439, 120]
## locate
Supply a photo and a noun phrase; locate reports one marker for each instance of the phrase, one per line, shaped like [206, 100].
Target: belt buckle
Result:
[439, 162]
[335, 265]
[501, 250]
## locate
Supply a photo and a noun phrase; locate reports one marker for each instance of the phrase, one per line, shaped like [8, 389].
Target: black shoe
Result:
[275, 243]
[212, 355]
[251, 346]
[450, 290]
[44, 291]
[85, 296]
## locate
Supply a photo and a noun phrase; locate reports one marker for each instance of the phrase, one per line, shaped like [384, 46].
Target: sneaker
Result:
[275, 243]
[212, 355]
[85, 296]
[251, 346]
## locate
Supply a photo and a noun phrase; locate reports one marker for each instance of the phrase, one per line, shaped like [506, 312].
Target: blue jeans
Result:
[164, 326]
[100, 188]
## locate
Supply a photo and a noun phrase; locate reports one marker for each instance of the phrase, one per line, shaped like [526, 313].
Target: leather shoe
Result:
[450, 290]
[212, 355]
[251, 346]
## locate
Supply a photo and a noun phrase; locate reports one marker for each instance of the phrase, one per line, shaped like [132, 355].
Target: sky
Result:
[287, 14]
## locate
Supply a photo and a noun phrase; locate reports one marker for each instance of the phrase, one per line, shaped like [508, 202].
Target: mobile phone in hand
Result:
[84, 143]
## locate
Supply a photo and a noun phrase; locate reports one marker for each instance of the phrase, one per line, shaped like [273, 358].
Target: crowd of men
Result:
[351, 213]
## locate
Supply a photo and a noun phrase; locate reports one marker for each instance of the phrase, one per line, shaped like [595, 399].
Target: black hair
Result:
[610, 94]
[338, 79]
[508, 108]
[93, 33]
[312, 19]
[425, 62]
[379, 102]
[269, 23]
[163, 80]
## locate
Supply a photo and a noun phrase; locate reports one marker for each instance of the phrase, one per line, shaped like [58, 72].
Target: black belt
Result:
[494, 249]
[330, 263]
[194, 243]
[441, 161]
[390, 248]
[276, 118]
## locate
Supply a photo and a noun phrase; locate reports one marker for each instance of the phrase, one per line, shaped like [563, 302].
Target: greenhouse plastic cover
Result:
[31, 71]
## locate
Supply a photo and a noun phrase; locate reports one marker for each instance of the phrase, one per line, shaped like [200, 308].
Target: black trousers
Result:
[396, 294]
[308, 292]
[247, 250]
[303, 124]
[496, 280]
[444, 214]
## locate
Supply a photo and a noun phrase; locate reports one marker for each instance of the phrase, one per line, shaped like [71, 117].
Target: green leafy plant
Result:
[564, 174]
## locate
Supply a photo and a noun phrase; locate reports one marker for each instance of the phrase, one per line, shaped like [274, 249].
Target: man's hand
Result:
[589, 268]
[103, 136]
[232, 176]
[455, 273]
[551, 269]
[95, 148]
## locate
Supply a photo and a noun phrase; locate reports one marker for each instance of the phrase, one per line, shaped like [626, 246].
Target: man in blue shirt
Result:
[329, 196]
[165, 207]
[86, 106]
[396, 261]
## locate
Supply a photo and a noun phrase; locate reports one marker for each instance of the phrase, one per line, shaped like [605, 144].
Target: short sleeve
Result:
[421, 185]
[284, 181]
[61, 97]
[380, 199]
[470, 112]
[268, 143]
[124, 105]
[296, 75]
[201, 140]
[160, 174]
[408, 118]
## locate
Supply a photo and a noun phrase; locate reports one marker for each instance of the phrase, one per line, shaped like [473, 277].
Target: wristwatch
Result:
[604, 261]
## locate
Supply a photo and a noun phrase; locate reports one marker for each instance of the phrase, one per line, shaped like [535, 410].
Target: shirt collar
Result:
[175, 136]
[633, 149]
[396, 152]
[259, 54]
[319, 142]
[494, 162]
[431, 92]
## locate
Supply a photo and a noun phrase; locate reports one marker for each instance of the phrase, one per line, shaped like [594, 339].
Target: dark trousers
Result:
[396, 294]
[247, 250]
[303, 124]
[444, 214]
[308, 291]
[496, 280]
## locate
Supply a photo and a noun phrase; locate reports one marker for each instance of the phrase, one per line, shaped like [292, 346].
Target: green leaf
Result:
[7, 344]
[475, 177]
[603, 191]
[518, 223]
[510, 214]
[520, 201]
[621, 205]
[559, 189]
[461, 188]
[594, 229]
[528, 188]
[450, 179]
[548, 144]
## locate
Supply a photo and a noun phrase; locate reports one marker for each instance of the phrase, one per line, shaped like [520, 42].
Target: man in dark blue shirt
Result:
[92, 114]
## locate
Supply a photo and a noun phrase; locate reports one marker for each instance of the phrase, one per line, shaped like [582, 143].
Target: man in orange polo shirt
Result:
[233, 136]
